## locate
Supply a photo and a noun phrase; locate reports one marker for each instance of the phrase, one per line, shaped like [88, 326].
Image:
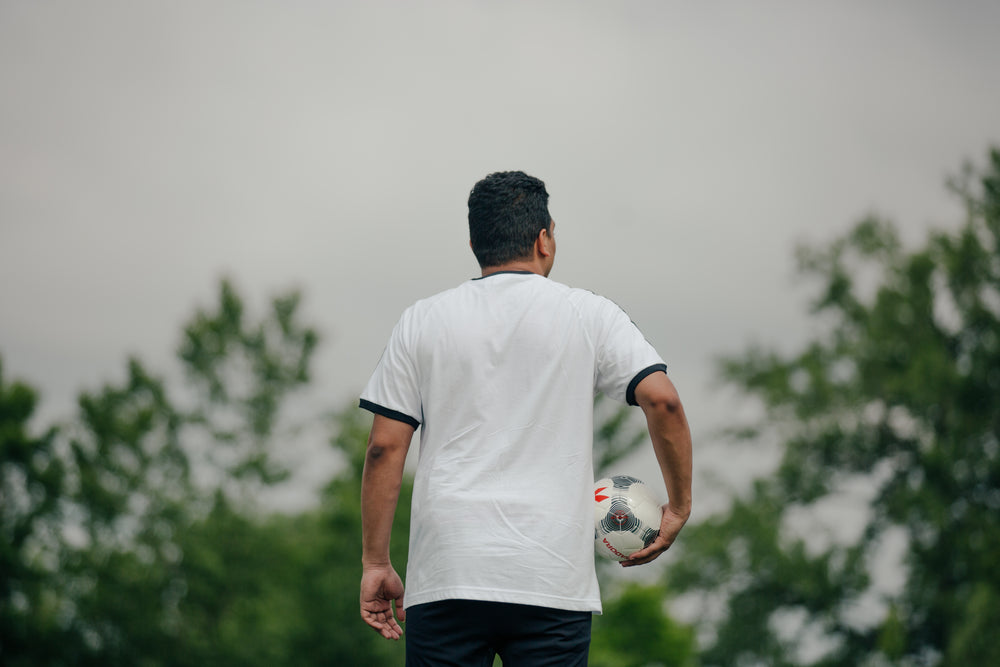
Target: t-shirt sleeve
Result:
[394, 389]
[624, 356]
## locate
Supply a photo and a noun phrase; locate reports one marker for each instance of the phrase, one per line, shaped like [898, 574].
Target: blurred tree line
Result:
[890, 419]
[133, 535]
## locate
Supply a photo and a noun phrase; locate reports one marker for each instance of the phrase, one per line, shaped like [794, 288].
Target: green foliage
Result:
[242, 372]
[745, 558]
[900, 390]
[96, 514]
[636, 631]
[282, 590]
[32, 481]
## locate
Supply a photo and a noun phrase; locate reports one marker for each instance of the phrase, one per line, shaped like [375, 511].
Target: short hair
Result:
[507, 210]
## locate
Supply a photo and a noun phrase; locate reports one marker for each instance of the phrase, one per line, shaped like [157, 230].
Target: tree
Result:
[900, 392]
[241, 373]
[272, 589]
[636, 631]
[32, 480]
[93, 511]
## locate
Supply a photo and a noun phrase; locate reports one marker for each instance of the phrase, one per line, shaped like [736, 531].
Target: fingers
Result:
[379, 588]
[378, 615]
[650, 553]
[383, 622]
[391, 629]
[670, 526]
[400, 609]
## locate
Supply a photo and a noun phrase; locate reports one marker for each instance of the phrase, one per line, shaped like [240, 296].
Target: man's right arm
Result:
[380, 485]
[671, 437]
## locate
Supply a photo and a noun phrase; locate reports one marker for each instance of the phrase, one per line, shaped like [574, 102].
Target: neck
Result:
[532, 266]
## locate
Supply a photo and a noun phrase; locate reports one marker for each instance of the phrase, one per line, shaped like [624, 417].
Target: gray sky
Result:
[148, 149]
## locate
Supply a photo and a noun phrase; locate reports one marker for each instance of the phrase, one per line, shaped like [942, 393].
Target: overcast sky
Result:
[148, 149]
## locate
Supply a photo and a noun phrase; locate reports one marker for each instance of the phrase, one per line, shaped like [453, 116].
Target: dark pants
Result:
[469, 633]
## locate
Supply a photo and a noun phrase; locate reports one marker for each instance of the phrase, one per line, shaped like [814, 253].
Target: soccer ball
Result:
[626, 516]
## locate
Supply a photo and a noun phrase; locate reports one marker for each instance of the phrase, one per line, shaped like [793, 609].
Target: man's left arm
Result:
[671, 438]
[381, 481]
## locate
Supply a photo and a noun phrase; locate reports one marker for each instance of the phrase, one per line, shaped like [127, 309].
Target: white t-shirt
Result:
[500, 374]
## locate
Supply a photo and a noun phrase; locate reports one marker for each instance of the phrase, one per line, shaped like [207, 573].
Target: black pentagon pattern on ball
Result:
[648, 536]
[623, 481]
[619, 518]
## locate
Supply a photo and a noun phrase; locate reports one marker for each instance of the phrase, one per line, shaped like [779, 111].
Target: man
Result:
[500, 374]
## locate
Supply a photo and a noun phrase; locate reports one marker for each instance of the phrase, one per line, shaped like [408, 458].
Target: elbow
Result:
[669, 403]
[664, 401]
[377, 451]
[381, 450]
[388, 442]
[657, 395]
[374, 453]
[664, 410]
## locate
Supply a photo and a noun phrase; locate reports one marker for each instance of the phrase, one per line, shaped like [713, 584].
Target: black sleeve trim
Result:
[640, 376]
[386, 412]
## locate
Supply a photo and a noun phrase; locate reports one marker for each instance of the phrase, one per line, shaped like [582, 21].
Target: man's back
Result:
[501, 374]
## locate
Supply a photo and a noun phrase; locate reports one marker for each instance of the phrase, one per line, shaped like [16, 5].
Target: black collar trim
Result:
[523, 273]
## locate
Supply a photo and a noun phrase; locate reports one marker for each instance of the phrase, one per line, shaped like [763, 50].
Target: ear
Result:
[544, 244]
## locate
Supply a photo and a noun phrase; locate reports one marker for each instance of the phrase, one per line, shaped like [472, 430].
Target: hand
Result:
[671, 523]
[380, 586]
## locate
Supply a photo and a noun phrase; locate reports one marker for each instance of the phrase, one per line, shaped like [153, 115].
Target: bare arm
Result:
[380, 483]
[671, 437]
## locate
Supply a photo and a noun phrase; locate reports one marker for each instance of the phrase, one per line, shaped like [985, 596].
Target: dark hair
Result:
[507, 210]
